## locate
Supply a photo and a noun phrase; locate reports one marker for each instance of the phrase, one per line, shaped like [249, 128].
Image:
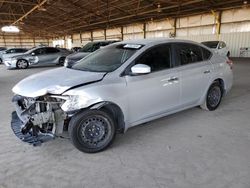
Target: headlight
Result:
[76, 102]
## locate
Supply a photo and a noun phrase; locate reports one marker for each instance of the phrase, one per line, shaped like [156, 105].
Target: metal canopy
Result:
[61, 17]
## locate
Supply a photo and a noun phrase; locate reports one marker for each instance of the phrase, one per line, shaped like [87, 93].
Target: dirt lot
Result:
[190, 149]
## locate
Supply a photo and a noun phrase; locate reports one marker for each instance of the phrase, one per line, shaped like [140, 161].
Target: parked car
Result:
[75, 49]
[86, 50]
[117, 87]
[2, 49]
[37, 56]
[11, 52]
[218, 47]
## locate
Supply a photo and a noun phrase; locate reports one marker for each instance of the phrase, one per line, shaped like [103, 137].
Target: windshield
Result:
[211, 44]
[106, 59]
[30, 50]
[88, 47]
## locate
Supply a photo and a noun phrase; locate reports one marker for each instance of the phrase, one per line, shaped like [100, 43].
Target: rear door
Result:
[155, 93]
[51, 56]
[46, 56]
[194, 70]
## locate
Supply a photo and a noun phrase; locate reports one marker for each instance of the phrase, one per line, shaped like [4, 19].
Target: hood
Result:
[23, 55]
[54, 81]
[78, 55]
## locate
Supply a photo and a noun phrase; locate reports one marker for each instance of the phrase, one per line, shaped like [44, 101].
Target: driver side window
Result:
[158, 58]
[39, 51]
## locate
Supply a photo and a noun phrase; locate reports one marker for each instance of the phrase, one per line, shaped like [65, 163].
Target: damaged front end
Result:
[37, 120]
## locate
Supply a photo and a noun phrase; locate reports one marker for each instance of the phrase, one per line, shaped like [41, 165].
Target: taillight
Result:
[230, 63]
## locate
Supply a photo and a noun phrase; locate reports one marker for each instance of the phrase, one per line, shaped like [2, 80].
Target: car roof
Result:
[212, 41]
[16, 48]
[104, 41]
[156, 41]
[38, 47]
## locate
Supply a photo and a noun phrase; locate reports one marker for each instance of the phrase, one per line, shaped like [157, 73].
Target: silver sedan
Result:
[37, 56]
[118, 87]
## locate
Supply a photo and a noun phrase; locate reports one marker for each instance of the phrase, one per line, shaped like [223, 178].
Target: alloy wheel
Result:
[22, 64]
[214, 96]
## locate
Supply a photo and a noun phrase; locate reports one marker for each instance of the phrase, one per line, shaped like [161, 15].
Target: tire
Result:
[228, 54]
[213, 97]
[22, 64]
[1, 61]
[61, 61]
[92, 131]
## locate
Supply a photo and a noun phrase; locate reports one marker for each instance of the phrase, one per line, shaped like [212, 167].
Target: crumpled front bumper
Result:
[35, 140]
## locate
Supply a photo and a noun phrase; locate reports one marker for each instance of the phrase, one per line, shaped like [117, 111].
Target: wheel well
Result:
[116, 113]
[23, 60]
[221, 83]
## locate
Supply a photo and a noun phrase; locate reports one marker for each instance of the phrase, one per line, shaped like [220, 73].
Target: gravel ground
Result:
[190, 149]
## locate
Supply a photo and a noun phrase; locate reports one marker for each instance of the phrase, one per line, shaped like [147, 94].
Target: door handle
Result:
[173, 79]
[207, 71]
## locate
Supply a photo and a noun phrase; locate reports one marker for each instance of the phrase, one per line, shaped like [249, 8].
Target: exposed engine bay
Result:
[38, 120]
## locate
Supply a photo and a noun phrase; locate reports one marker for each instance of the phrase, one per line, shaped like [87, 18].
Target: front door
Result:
[155, 93]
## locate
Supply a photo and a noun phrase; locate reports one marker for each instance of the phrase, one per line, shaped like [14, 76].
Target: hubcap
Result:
[22, 64]
[214, 96]
[94, 131]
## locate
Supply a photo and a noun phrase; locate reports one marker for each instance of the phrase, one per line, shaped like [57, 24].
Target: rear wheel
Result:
[1, 61]
[22, 64]
[214, 96]
[92, 131]
[228, 54]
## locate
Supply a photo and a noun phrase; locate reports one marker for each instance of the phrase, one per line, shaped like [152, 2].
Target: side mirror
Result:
[140, 69]
[33, 54]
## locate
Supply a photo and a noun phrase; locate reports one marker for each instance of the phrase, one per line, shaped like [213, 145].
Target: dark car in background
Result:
[75, 49]
[86, 50]
[3, 48]
[38, 56]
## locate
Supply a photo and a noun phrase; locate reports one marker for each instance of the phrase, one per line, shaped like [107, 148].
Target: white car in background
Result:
[9, 53]
[218, 47]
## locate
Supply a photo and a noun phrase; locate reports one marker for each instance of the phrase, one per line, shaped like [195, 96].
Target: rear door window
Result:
[188, 53]
[51, 50]
[206, 54]
[20, 50]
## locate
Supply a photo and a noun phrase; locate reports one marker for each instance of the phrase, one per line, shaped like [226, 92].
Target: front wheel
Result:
[22, 64]
[61, 61]
[91, 131]
[214, 96]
